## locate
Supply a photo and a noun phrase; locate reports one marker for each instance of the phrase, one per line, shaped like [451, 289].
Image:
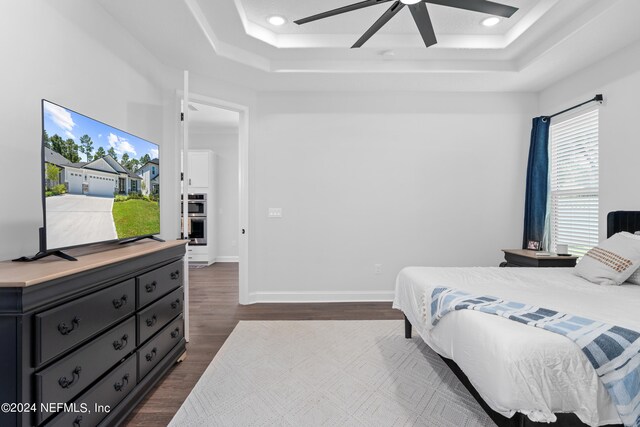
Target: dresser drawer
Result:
[108, 392]
[63, 327]
[157, 283]
[158, 314]
[66, 378]
[152, 352]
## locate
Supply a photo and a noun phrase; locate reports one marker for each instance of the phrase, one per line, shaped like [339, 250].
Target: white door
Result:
[198, 169]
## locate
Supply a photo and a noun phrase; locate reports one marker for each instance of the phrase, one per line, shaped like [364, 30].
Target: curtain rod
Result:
[597, 98]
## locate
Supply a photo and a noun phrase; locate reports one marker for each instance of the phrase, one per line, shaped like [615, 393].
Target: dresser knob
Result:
[66, 330]
[66, 383]
[118, 386]
[119, 302]
[151, 321]
[150, 287]
[151, 355]
[119, 345]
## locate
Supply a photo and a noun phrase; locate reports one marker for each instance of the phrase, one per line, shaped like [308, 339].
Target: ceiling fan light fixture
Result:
[491, 21]
[420, 13]
[277, 20]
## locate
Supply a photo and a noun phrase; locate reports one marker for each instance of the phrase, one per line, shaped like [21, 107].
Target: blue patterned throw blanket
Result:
[613, 351]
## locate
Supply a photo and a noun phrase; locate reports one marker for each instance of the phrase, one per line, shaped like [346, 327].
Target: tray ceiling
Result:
[453, 24]
[446, 20]
[544, 41]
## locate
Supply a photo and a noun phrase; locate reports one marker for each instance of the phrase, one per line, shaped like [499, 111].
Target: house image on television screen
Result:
[100, 183]
[150, 173]
[103, 177]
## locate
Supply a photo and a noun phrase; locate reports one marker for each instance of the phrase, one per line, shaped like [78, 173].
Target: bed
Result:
[523, 375]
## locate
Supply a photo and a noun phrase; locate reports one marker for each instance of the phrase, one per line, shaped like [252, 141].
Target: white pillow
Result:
[612, 261]
[634, 279]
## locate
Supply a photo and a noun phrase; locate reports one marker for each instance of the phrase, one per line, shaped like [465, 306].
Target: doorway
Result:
[219, 130]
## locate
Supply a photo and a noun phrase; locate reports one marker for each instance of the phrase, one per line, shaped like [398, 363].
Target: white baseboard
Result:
[227, 259]
[310, 296]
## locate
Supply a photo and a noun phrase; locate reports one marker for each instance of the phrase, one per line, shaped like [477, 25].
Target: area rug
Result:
[328, 373]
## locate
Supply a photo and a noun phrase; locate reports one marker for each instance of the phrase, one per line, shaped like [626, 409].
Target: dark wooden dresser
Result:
[81, 343]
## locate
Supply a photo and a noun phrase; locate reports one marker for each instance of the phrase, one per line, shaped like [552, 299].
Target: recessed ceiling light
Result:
[387, 54]
[410, 1]
[490, 22]
[276, 20]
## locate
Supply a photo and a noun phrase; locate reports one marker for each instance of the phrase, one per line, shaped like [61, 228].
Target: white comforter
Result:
[515, 367]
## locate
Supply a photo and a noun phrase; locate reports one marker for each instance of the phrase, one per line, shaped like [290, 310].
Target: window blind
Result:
[574, 183]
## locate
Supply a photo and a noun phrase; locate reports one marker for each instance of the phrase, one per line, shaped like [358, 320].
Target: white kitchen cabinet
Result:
[199, 254]
[199, 165]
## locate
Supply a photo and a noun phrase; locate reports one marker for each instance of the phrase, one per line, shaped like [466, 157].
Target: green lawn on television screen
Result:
[136, 217]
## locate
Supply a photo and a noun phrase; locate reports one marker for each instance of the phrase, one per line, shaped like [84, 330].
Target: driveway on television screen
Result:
[75, 220]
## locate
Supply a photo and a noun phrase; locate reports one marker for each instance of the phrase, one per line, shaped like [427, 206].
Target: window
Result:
[574, 183]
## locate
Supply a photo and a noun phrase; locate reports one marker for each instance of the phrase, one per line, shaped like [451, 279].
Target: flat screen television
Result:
[99, 183]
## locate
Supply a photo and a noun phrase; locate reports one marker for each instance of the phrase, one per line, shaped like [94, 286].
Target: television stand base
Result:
[136, 239]
[43, 254]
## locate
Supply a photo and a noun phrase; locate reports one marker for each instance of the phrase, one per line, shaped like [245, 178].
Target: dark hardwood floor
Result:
[214, 313]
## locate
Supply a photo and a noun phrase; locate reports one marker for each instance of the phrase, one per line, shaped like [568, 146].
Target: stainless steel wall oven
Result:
[197, 219]
[197, 205]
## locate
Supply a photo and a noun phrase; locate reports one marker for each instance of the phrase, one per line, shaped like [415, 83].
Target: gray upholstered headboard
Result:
[623, 221]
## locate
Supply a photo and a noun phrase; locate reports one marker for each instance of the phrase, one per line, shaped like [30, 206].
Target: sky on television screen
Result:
[69, 124]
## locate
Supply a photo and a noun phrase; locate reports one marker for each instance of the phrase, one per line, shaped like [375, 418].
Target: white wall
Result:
[618, 79]
[74, 54]
[393, 179]
[381, 178]
[225, 146]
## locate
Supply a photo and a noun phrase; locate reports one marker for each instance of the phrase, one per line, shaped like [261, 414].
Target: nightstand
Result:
[528, 258]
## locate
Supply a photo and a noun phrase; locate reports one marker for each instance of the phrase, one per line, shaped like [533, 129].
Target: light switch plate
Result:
[275, 213]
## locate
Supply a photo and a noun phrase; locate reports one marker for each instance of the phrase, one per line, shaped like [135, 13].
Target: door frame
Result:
[243, 183]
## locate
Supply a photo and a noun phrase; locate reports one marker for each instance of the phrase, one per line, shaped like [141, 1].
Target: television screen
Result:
[100, 183]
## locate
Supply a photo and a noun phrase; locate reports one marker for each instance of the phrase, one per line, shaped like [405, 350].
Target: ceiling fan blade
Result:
[482, 6]
[423, 21]
[390, 13]
[340, 10]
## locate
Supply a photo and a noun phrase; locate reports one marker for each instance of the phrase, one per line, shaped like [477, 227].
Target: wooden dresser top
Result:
[24, 274]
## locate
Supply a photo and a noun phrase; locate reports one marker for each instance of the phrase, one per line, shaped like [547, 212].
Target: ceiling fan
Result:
[418, 10]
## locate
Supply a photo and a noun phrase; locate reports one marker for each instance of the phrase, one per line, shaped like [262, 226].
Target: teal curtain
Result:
[535, 205]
